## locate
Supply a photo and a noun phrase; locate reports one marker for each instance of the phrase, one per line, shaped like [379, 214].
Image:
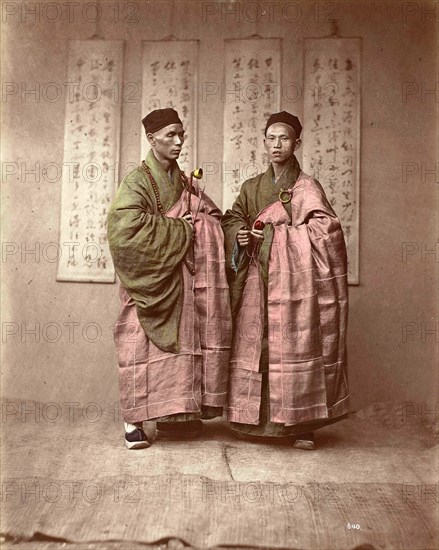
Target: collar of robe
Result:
[289, 174]
[272, 190]
[167, 189]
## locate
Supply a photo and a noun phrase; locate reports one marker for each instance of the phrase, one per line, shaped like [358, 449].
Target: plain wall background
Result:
[399, 45]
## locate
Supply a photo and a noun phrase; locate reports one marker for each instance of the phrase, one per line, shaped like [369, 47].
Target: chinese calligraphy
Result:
[251, 94]
[331, 141]
[169, 80]
[91, 147]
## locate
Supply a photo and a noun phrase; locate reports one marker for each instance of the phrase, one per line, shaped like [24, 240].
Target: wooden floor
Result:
[72, 484]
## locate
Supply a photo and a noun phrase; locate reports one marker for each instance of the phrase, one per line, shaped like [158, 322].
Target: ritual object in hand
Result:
[255, 243]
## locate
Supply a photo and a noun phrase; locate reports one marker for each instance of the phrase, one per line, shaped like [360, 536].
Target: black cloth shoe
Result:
[305, 442]
[135, 437]
[179, 430]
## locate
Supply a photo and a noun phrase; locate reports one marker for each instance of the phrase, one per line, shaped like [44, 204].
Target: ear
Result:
[151, 139]
[297, 144]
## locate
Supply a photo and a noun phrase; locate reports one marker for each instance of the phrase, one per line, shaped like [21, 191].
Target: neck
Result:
[164, 163]
[278, 169]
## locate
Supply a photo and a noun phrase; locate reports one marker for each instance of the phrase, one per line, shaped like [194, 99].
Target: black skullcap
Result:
[285, 118]
[158, 119]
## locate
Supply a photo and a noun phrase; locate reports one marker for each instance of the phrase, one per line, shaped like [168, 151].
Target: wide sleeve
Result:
[233, 220]
[236, 259]
[329, 259]
[209, 207]
[147, 251]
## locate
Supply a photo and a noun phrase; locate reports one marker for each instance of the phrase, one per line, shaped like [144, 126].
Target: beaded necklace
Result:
[159, 203]
[154, 188]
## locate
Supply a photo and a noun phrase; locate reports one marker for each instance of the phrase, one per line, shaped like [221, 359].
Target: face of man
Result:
[167, 142]
[280, 143]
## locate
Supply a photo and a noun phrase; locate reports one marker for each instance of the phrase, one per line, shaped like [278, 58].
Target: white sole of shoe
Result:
[304, 445]
[136, 444]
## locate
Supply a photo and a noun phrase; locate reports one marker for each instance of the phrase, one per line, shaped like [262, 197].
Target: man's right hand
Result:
[243, 237]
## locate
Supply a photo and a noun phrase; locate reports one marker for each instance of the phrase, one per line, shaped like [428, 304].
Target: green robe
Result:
[148, 249]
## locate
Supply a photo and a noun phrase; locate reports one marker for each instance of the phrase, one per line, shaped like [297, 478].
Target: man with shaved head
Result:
[173, 334]
[287, 270]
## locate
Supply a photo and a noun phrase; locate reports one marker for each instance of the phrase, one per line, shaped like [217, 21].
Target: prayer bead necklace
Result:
[154, 188]
[159, 203]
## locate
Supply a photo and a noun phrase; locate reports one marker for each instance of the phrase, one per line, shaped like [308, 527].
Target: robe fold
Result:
[173, 336]
[289, 305]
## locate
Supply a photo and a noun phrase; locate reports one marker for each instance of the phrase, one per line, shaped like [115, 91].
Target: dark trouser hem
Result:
[266, 428]
[280, 430]
[179, 430]
[188, 425]
[207, 413]
[255, 438]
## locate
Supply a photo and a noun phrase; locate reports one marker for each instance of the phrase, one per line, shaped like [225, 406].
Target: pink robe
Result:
[307, 316]
[155, 383]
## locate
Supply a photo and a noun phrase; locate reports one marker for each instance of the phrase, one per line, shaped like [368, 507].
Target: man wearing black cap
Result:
[287, 268]
[166, 242]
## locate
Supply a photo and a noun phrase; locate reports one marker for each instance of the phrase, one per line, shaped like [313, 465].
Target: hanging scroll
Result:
[251, 93]
[91, 154]
[331, 136]
[170, 71]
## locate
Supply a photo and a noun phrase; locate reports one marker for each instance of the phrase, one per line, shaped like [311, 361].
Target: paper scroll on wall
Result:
[170, 79]
[331, 136]
[250, 94]
[91, 157]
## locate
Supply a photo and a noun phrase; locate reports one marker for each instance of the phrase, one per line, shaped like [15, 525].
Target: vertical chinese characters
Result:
[170, 80]
[91, 149]
[331, 131]
[250, 95]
